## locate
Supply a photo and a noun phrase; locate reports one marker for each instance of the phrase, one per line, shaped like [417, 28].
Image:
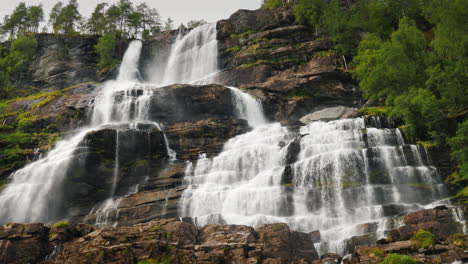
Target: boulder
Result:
[331, 113]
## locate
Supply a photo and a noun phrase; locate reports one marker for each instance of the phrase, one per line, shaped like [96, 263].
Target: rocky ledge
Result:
[176, 241]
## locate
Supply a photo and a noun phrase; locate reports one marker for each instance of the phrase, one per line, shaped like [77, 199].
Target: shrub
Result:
[423, 239]
[399, 259]
[104, 49]
[274, 3]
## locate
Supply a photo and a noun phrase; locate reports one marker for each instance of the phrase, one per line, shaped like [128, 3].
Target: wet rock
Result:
[438, 221]
[23, 243]
[190, 139]
[316, 236]
[189, 103]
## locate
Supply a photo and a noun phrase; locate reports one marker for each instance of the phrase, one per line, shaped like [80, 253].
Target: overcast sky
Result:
[180, 11]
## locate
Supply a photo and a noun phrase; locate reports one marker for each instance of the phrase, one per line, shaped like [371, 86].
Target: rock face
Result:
[282, 64]
[181, 242]
[160, 240]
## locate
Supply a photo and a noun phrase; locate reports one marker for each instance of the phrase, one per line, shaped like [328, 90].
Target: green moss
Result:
[375, 111]
[324, 53]
[399, 259]
[166, 260]
[234, 49]
[3, 107]
[156, 228]
[423, 239]
[375, 253]
[427, 144]
[168, 236]
[61, 224]
[420, 185]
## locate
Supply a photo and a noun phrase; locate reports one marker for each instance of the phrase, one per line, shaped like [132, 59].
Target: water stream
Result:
[344, 177]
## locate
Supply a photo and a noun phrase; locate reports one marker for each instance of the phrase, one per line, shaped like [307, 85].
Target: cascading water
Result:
[193, 58]
[345, 174]
[34, 192]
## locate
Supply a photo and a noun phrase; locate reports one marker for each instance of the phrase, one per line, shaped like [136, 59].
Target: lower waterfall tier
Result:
[331, 176]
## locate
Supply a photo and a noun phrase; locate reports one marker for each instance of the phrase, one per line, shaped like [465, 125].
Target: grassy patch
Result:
[234, 49]
[423, 239]
[323, 53]
[399, 259]
[427, 144]
[61, 224]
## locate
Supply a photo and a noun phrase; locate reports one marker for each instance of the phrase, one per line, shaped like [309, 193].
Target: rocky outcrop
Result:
[181, 242]
[28, 243]
[208, 136]
[283, 65]
[189, 103]
[158, 240]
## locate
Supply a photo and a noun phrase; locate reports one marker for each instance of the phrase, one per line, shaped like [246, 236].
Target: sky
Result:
[181, 11]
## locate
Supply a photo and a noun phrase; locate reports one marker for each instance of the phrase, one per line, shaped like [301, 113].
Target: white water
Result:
[193, 58]
[345, 174]
[34, 192]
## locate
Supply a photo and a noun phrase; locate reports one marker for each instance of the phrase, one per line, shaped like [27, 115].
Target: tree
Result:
[341, 24]
[126, 9]
[274, 3]
[54, 17]
[35, 17]
[135, 22]
[69, 17]
[309, 12]
[195, 23]
[169, 24]
[113, 18]
[17, 21]
[97, 23]
[150, 21]
[16, 62]
[104, 49]
[388, 69]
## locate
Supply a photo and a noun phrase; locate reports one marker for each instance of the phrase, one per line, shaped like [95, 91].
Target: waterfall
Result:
[34, 193]
[345, 175]
[193, 58]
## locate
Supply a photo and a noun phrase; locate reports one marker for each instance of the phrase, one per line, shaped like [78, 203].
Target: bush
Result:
[274, 3]
[104, 49]
[399, 259]
[423, 239]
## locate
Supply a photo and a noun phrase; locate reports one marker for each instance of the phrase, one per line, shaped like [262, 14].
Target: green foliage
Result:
[309, 12]
[23, 19]
[274, 3]
[388, 69]
[423, 239]
[105, 49]
[459, 145]
[375, 111]
[61, 224]
[15, 63]
[399, 259]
